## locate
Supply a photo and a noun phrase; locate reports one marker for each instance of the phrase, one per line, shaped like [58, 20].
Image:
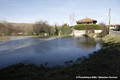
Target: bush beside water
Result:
[84, 26]
[65, 30]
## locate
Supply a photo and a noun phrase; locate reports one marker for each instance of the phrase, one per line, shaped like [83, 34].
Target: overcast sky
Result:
[58, 11]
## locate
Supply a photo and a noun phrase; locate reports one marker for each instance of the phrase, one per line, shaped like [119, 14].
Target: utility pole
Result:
[109, 19]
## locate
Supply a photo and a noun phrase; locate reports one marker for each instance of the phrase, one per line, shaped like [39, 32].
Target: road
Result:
[115, 32]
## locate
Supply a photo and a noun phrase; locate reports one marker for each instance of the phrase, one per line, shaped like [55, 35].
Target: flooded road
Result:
[53, 50]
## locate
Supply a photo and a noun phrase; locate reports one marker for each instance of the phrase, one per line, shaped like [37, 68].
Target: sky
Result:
[58, 11]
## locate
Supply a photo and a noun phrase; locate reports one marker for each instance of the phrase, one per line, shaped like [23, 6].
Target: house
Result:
[86, 21]
[112, 27]
[115, 27]
[83, 31]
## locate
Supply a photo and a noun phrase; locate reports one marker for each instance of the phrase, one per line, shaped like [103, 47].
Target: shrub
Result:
[55, 30]
[104, 30]
[79, 27]
[65, 30]
[89, 26]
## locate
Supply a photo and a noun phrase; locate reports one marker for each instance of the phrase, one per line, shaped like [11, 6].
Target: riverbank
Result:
[107, 38]
[111, 38]
[105, 62]
[52, 36]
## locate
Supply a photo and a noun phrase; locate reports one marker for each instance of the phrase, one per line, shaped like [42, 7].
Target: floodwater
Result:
[53, 50]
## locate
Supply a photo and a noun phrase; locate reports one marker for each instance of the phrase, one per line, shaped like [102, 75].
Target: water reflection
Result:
[87, 43]
[53, 50]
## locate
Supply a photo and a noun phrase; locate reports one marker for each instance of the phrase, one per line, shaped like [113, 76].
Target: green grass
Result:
[111, 38]
[92, 35]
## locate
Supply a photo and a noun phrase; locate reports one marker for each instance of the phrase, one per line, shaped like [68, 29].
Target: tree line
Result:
[38, 28]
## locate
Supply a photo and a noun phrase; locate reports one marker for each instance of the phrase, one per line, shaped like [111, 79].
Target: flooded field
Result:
[51, 50]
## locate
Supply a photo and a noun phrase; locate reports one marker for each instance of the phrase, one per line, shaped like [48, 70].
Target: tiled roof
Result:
[86, 20]
[117, 24]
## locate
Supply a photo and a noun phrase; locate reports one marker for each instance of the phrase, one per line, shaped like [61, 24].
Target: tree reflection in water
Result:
[87, 42]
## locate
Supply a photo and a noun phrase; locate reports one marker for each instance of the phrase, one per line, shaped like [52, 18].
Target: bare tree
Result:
[72, 18]
[41, 27]
[5, 28]
[1, 29]
[104, 30]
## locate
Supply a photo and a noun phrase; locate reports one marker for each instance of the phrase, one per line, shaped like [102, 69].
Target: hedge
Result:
[89, 26]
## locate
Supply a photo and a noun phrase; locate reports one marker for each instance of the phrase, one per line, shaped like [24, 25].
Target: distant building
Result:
[115, 27]
[86, 21]
[112, 27]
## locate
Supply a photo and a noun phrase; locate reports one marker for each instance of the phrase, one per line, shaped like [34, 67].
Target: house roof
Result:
[117, 24]
[86, 20]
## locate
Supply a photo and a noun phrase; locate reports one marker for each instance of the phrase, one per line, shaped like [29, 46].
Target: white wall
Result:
[82, 32]
[78, 32]
[97, 31]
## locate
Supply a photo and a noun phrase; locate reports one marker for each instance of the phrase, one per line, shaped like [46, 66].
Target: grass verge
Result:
[111, 38]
